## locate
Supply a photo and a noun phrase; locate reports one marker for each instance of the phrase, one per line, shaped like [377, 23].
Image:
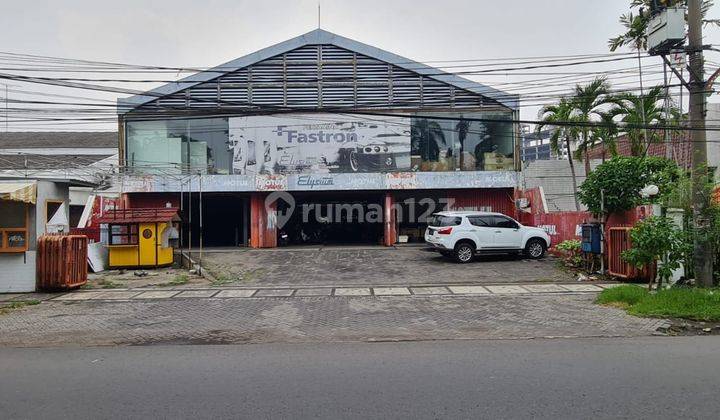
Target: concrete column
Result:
[263, 220]
[389, 220]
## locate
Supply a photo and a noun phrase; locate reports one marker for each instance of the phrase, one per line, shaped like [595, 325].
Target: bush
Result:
[570, 252]
[655, 239]
[621, 179]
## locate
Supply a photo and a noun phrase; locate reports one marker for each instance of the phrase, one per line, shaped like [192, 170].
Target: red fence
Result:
[61, 261]
[560, 226]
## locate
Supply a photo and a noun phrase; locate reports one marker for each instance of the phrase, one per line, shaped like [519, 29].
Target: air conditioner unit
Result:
[666, 30]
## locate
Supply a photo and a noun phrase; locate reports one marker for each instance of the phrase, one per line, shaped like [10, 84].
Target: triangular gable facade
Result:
[320, 70]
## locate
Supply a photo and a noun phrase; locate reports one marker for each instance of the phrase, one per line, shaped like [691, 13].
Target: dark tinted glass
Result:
[504, 222]
[441, 221]
[481, 221]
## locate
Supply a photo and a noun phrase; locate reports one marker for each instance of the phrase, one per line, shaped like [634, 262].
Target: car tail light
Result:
[444, 231]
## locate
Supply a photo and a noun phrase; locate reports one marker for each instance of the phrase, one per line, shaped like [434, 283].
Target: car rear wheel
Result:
[535, 249]
[464, 252]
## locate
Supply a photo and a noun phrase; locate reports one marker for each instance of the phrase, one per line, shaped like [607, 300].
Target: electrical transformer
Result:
[666, 30]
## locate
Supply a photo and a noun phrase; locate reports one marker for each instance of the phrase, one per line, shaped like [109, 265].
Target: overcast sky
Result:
[205, 33]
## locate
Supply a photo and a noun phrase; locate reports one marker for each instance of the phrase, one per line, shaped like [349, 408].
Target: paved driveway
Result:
[331, 266]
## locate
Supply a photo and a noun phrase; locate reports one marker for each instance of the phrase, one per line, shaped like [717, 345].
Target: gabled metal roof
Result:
[320, 37]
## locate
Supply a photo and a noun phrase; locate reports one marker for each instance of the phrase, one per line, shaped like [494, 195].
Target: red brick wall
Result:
[681, 150]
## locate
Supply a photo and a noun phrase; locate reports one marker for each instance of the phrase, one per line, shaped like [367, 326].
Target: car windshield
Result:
[442, 221]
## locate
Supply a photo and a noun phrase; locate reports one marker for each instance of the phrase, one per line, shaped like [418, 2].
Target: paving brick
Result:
[196, 294]
[371, 267]
[352, 291]
[117, 295]
[79, 296]
[236, 321]
[234, 293]
[581, 287]
[543, 288]
[157, 294]
[430, 290]
[391, 291]
[324, 291]
[609, 285]
[469, 290]
[507, 289]
[274, 293]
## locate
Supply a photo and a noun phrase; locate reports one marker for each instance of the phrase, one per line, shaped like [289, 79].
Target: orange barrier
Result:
[61, 261]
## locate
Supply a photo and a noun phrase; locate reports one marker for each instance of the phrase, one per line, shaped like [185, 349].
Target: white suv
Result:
[462, 234]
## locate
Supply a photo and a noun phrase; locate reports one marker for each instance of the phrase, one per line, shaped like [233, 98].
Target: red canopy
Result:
[140, 215]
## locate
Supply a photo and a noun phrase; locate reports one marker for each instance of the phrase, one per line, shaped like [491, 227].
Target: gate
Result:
[618, 242]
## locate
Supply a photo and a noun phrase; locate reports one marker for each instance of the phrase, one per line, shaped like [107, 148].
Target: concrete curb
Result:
[409, 291]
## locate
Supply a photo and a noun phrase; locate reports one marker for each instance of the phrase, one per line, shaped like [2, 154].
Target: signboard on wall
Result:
[319, 143]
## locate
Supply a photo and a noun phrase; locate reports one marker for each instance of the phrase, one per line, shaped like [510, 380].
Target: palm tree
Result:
[561, 117]
[606, 133]
[637, 112]
[587, 103]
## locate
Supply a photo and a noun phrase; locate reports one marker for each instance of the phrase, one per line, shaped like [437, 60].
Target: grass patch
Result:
[682, 302]
[624, 295]
[17, 305]
[109, 284]
[178, 280]
[220, 279]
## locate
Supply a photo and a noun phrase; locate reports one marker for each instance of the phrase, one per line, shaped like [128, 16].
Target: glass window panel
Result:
[463, 144]
[16, 239]
[12, 214]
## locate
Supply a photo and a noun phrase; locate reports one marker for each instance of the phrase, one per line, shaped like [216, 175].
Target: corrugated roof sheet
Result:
[32, 161]
[58, 139]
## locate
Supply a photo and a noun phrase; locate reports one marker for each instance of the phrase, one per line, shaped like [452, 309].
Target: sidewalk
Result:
[137, 317]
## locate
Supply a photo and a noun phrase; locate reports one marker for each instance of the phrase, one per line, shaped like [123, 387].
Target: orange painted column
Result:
[263, 229]
[389, 220]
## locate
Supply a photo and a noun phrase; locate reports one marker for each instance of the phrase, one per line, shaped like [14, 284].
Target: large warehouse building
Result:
[318, 139]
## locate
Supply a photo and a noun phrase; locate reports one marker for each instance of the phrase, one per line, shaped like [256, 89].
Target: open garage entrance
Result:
[332, 218]
[415, 207]
[225, 219]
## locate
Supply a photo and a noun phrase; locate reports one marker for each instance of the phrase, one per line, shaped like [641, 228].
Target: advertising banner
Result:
[319, 143]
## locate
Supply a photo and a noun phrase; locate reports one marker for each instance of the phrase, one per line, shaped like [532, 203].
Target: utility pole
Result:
[703, 252]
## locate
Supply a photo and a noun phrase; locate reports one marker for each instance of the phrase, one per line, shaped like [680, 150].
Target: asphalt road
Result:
[655, 377]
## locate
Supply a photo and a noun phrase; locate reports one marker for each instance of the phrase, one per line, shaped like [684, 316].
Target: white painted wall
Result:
[713, 139]
[17, 272]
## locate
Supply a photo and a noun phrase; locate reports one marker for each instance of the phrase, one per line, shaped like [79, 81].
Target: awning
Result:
[18, 191]
[140, 215]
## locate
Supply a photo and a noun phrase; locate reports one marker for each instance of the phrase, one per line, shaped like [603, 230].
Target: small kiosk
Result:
[142, 237]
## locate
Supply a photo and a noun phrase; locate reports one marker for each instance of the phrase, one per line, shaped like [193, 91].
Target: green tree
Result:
[561, 117]
[621, 179]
